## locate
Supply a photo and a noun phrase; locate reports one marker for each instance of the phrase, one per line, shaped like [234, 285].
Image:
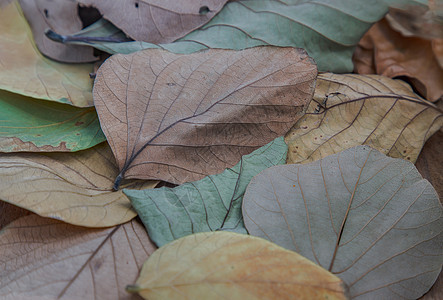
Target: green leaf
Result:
[370, 219]
[212, 203]
[28, 124]
[327, 30]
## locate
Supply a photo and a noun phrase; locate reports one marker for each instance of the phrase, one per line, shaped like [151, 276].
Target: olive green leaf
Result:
[28, 124]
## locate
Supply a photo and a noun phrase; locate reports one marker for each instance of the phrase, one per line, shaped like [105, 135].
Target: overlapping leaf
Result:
[61, 16]
[179, 118]
[75, 188]
[387, 52]
[226, 265]
[370, 219]
[157, 21]
[9, 213]
[46, 259]
[328, 30]
[32, 125]
[210, 204]
[24, 70]
[351, 110]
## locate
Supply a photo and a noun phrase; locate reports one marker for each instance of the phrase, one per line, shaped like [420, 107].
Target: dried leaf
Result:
[46, 259]
[9, 213]
[63, 17]
[430, 162]
[179, 118]
[32, 125]
[157, 21]
[370, 219]
[328, 30]
[210, 204]
[350, 110]
[226, 265]
[24, 70]
[387, 52]
[75, 188]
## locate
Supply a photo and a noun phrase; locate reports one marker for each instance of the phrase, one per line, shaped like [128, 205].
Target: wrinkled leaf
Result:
[61, 16]
[75, 188]
[157, 21]
[32, 125]
[212, 203]
[430, 162]
[328, 30]
[226, 265]
[387, 52]
[370, 219]
[351, 110]
[9, 213]
[24, 70]
[46, 259]
[178, 118]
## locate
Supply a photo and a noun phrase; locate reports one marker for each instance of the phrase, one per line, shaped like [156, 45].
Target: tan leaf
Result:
[386, 52]
[47, 259]
[157, 21]
[61, 16]
[226, 265]
[430, 162]
[351, 110]
[9, 213]
[75, 188]
[24, 70]
[178, 117]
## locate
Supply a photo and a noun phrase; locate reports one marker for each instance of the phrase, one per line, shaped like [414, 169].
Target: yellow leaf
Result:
[24, 70]
[75, 188]
[351, 110]
[226, 265]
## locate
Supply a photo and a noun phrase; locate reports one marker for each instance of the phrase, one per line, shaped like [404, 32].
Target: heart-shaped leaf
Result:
[212, 203]
[75, 188]
[61, 16]
[370, 219]
[178, 118]
[226, 265]
[351, 110]
[157, 21]
[32, 125]
[328, 30]
[47, 259]
[24, 70]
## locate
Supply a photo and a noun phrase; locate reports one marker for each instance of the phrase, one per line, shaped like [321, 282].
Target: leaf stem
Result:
[52, 35]
[118, 179]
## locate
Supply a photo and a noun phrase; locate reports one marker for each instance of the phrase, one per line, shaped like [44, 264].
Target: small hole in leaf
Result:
[45, 11]
[136, 4]
[203, 10]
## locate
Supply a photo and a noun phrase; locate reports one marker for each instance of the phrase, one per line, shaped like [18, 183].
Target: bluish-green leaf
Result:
[29, 124]
[328, 29]
[213, 203]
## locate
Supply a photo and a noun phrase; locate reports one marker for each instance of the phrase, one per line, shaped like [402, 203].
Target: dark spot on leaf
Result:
[136, 4]
[38, 135]
[315, 138]
[170, 84]
[404, 151]
[77, 133]
[45, 11]
[98, 264]
[408, 158]
[203, 10]
[78, 123]
[304, 127]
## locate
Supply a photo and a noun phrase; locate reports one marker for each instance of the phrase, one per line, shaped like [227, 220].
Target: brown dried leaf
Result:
[75, 188]
[9, 213]
[178, 117]
[60, 16]
[157, 21]
[47, 259]
[386, 52]
[351, 110]
[227, 265]
[430, 162]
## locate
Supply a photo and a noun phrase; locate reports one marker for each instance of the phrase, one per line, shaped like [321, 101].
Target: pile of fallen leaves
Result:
[267, 146]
